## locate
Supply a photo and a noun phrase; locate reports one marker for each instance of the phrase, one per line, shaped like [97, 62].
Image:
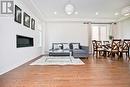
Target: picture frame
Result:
[32, 24]
[26, 20]
[18, 14]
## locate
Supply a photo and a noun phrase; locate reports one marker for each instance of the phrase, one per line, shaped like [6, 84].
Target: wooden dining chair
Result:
[94, 47]
[97, 47]
[115, 45]
[125, 47]
[106, 45]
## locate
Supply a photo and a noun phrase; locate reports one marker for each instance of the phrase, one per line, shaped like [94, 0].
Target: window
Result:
[100, 32]
[95, 33]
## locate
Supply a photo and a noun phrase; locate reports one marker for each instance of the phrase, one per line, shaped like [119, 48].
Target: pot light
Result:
[116, 14]
[76, 12]
[97, 13]
[127, 14]
[55, 12]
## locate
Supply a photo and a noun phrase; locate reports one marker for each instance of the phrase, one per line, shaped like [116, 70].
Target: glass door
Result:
[100, 32]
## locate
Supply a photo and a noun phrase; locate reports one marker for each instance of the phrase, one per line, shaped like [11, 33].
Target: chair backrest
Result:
[99, 44]
[115, 44]
[126, 44]
[94, 44]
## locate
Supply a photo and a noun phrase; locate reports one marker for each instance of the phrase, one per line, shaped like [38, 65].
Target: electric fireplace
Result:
[23, 41]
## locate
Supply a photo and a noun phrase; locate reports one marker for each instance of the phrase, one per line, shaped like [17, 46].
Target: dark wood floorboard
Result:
[95, 73]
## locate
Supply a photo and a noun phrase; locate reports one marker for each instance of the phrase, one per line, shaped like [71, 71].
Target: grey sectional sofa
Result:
[73, 49]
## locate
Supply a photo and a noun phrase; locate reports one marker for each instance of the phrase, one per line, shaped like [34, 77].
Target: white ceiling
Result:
[85, 8]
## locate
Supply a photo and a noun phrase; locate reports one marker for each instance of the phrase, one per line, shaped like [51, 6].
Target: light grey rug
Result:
[59, 60]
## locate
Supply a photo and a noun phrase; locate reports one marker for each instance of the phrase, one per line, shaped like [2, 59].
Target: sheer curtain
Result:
[89, 27]
[114, 30]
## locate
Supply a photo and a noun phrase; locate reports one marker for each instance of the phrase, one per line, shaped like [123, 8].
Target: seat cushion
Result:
[59, 52]
[100, 49]
[79, 51]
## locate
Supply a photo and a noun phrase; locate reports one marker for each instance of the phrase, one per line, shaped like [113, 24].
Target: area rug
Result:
[59, 60]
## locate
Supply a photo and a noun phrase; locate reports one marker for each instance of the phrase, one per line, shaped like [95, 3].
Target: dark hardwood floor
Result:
[95, 73]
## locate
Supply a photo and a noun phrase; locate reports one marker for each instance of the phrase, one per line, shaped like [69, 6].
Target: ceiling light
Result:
[76, 12]
[116, 14]
[55, 12]
[126, 11]
[97, 13]
[127, 14]
[69, 9]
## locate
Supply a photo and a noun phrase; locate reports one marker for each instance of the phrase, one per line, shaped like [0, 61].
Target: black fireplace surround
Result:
[23, 41]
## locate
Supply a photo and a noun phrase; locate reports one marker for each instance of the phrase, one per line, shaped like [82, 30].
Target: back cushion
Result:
[66, 46]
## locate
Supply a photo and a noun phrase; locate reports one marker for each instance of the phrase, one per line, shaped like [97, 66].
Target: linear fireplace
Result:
[23, 41]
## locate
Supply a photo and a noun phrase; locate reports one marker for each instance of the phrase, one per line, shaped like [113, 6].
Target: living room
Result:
[54, 25]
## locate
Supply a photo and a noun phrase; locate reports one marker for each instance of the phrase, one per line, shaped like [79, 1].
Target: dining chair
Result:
[125, 47]
[114, 49]
[106, 45]
[94, 47]
[97, 47]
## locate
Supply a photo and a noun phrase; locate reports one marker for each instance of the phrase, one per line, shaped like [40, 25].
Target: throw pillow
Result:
[57, 46]
[66, 46]
[75, 46]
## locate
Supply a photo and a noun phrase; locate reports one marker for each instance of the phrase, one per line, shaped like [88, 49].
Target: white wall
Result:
[66, 32]
[10, 56]
[123, 30]
[44, 37]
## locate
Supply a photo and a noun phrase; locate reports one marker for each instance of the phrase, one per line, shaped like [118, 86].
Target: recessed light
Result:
[76, 12]
[97, 13]
[55, 12]
[116, 14]
[127, 14]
